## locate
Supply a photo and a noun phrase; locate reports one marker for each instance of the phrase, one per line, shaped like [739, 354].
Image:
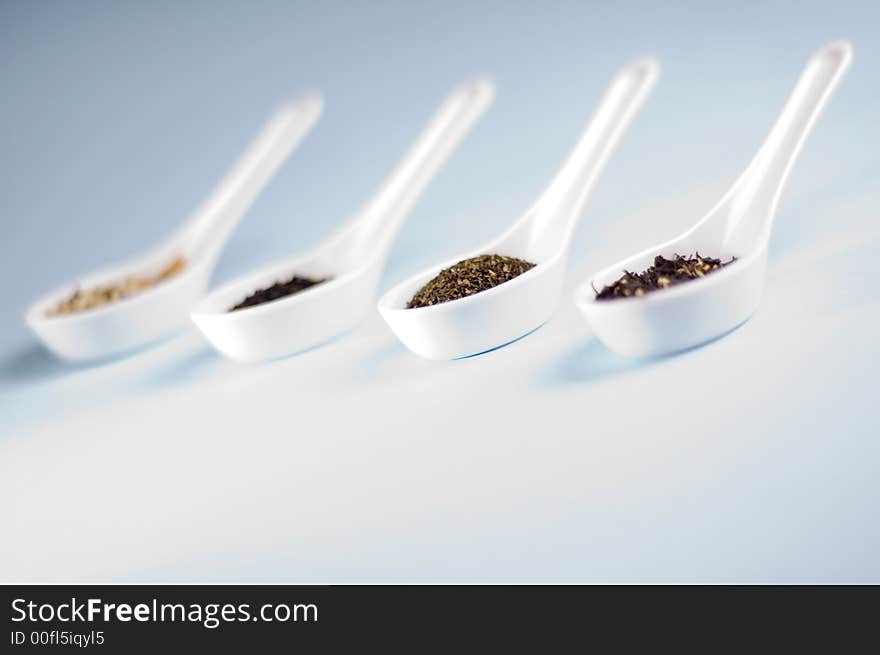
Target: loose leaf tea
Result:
[83, 300]
[468, 277]
[276, 291]
[664, 273]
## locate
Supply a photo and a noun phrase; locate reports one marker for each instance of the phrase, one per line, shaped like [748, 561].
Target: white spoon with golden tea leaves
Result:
[139, 301]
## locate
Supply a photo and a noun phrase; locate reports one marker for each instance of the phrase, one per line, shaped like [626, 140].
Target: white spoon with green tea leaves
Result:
[736, 230]
[542, 236]
[298, 303]
[137, 302]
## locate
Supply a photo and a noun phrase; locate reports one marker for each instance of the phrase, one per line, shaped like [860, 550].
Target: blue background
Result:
[116, 118]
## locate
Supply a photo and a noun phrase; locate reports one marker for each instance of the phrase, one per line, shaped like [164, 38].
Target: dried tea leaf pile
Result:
[84, 299]
[664, 273]
[276, 291]
[468, 277]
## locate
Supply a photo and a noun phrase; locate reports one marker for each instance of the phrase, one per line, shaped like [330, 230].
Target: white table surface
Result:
[754, 458]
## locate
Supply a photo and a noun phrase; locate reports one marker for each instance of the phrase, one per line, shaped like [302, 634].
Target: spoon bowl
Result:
[126, 324]
[154, 313]
[483, 321]
[293, 323]
[350, 262]
[542, 235]
[697, 311]
[680, 317]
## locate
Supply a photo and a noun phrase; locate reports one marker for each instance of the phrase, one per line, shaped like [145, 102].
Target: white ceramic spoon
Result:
[352, 258]
[495, 317]
[697, 311]
[158, 311]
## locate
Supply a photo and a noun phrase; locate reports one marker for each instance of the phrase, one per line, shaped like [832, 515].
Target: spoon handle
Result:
[559, 207]
[754, 197]
[378, 221]
[208, 228]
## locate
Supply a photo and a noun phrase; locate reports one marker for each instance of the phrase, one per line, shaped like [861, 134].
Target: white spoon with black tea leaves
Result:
[487, 319]
[301, 302]
[734, 233]
[139, 301]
